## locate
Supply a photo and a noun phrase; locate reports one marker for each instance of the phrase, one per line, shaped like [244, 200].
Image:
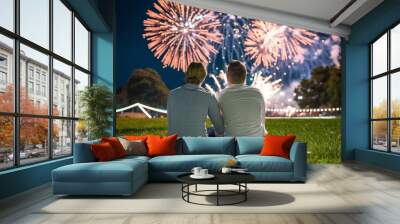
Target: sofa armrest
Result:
[298, 155]
[83, 152]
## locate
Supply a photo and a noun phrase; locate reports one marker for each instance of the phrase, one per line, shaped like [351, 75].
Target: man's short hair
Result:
[195, 73]
[236, 72]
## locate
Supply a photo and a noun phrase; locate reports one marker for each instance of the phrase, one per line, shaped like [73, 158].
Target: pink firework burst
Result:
[181, 34]
[266, 42]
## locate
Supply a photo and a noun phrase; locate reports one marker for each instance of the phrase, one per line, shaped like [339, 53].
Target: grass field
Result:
[323, 136]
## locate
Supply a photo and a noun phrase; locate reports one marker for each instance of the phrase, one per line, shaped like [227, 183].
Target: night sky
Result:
[135, 53]
[133, 46]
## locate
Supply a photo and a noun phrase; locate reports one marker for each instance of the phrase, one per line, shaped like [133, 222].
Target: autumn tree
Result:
[33, 131]
[380, 127]
[6, 122]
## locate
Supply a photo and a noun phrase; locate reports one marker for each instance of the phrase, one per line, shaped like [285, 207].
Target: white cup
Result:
[226, 170]
[203, 172]
[196, 171]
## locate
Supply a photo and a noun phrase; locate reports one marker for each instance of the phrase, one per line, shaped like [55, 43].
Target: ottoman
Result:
[119, 177]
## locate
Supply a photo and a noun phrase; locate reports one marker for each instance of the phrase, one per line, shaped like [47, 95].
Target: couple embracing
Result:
[238, 110]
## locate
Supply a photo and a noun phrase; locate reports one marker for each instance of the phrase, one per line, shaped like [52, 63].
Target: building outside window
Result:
[30, 87]
[3, 61]
[44, 77]
[55, 97]
[3, 71]
[43, 90]
[38, 89]
[385, 94]
[37, 75]
[30, 72]
[3, 77]
[34, 74]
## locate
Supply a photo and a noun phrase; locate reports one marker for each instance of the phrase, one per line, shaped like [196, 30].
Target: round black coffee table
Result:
[238, 179]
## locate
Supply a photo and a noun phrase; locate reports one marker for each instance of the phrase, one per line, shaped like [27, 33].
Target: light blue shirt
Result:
[243, 108]
[188, 107]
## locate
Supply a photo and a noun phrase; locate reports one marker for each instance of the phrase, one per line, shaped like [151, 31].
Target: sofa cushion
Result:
[257, 163]
[185, 163]
[116, 145]
[103, 152]
[249, 145]
[206, 145]
[136, 147]
[277, 145]
[112, 171]
[161, 145]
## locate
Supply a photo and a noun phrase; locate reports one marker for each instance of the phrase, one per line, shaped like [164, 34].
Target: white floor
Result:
[376, 189]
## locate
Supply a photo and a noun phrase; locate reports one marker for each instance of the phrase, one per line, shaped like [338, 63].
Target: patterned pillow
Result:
[137, 147]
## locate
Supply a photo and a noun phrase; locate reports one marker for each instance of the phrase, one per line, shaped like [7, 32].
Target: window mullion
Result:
[389, 104]
[16, 85]
[50, 81]
[73, 82]
[371, 50]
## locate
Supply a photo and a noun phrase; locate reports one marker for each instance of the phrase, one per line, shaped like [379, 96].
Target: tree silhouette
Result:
[321, 90]
[144, 86]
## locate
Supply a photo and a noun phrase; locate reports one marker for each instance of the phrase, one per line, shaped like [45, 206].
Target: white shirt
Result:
[243, 109]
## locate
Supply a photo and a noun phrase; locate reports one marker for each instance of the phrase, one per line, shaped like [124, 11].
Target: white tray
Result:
[208, 176]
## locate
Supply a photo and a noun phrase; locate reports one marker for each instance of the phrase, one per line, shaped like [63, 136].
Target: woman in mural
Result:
[189, 105]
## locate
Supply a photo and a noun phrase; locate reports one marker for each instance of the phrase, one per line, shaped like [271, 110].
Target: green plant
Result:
[96, 102]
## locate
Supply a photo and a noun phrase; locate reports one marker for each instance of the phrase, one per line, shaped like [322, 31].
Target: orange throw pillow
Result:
[277, 145]
[103, 152]
[116, 145]
[161, 145]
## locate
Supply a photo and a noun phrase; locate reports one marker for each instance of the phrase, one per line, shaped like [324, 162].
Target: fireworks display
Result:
[267, 42]
[277, 57]
[234, 30]
[181, 34]
[265, 84]
[324, 52]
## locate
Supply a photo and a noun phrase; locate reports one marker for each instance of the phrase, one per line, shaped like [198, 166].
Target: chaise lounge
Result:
[125, 176]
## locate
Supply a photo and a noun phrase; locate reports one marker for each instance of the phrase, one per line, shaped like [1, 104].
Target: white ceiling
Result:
[319, 9]
[314, 15]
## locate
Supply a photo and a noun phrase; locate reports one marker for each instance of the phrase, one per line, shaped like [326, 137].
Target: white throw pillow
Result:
[137, 148]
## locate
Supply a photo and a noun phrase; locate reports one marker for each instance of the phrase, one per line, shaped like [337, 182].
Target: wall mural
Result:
[297, 70]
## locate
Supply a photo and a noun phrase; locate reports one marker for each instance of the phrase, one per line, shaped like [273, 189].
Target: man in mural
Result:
[189, 105]
[243, 107]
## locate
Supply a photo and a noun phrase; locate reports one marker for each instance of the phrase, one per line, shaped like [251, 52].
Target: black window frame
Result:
[16, 115]
[388, 74]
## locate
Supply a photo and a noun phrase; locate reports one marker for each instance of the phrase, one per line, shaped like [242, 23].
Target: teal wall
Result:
[24, 178]
[103, 51]
[91, 11]
[103, 63]
[356, 86]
